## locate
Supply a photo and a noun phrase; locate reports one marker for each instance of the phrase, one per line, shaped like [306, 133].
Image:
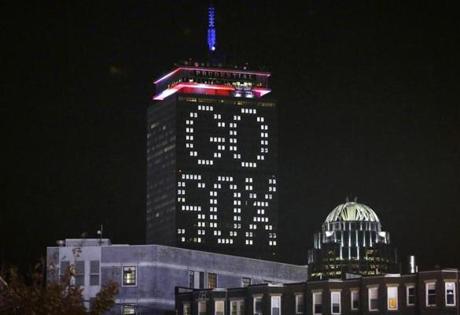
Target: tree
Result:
[35, 296]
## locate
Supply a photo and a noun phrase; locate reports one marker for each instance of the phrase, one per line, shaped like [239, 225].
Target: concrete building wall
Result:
[160, 269]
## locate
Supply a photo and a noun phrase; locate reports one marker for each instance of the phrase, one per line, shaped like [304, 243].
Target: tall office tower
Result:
[212, 161]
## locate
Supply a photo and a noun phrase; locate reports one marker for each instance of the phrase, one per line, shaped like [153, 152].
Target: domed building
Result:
[351, 241]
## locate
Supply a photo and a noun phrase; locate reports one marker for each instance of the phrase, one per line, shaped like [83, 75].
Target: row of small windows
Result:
[189, 130]
[225, 241]
[236, 210]
[260, 203]
[248, 111]
[189, 137]
[249, 164]
[260, 219]
[217, 116]
[205, 162]
[262, 134]
[205, 107]
[261, 157]
[272, 243]
[217, 139]
[263, 127]
[193, 115]
[191, 176]
[264, 142]
[190, 208]
[193, 153]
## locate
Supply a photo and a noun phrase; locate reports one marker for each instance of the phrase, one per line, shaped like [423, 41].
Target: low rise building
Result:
[149, 274]
[424, 293]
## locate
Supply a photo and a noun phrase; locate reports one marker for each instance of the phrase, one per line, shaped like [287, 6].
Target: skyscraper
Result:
[212, 161]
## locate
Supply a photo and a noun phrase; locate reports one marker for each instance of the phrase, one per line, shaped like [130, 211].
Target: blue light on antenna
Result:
[211, 29]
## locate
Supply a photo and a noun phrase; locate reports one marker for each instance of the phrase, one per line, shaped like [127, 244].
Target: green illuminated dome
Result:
[352, 211]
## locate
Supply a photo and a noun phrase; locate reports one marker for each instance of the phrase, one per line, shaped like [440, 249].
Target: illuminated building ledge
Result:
[208, 89]
[256, 73]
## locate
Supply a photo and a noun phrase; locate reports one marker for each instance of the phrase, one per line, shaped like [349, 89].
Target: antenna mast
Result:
[211, 28]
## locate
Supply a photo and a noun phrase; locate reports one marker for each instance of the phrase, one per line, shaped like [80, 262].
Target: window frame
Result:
[452, 282]
[391, 288]
[410, 286]
[369, 289]
[128, 307]
[297, 304]
[215, 305]
[352, 292]
[254, 309]
[272, 298]
[208, 278]
[200, 303]
[123, 276]
[427, 296]
[339, 294]
[314, 299]
[184, 307]
[239, 303]
[93, 273]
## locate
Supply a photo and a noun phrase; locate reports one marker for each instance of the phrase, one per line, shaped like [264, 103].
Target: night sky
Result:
[367, 93]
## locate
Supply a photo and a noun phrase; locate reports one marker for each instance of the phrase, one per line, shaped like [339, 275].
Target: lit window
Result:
[335, 302]
[129, 275]
[276, 305]
[186, 309]
[410, 295]
[299, 303]
[373, 299]
[392, 298]
[237, 307]
[219, 307]
[430, 291]
[257, 305]
[317, 303]
[450, 293]
[129, 310]
[355, 300]
[202, 308]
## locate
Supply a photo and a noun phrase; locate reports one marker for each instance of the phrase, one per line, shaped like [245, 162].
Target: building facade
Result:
[351, 241]
[428, 292]
[148, 274]
[212, 151]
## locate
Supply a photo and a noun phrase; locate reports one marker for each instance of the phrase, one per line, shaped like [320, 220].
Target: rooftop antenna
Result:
[211, 28]
[99, 232]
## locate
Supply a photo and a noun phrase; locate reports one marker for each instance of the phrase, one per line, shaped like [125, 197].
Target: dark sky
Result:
[368, 104]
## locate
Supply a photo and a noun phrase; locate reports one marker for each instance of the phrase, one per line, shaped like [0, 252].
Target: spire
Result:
[211, 28]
